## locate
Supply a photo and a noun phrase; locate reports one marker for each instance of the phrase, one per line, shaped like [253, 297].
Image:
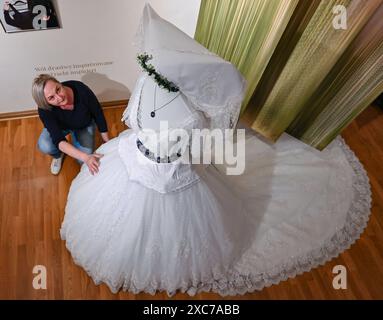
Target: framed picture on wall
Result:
[28, 15]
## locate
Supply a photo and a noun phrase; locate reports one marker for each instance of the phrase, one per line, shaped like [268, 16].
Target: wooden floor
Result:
[32, 203]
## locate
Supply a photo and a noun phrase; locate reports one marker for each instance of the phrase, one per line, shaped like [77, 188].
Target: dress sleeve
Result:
[52, 126]
[129, 115]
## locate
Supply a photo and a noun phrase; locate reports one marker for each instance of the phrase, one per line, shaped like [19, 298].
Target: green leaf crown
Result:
[160, 79]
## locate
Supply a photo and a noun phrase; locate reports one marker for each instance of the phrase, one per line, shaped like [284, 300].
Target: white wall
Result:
[93, 31]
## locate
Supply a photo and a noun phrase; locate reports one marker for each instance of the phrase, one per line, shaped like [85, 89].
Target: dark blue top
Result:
[86, 108]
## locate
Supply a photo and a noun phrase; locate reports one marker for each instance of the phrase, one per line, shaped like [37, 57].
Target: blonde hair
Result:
[38, 90]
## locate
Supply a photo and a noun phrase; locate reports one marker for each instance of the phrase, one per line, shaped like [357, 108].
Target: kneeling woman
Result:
[66, 108]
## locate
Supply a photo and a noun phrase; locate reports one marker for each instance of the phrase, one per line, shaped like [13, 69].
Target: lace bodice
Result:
[161, 145]
[147, 160]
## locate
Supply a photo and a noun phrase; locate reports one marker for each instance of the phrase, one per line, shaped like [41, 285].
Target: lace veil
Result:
[212, 85]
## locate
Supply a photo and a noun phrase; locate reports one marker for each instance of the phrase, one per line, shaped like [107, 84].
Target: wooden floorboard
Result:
[32, 203]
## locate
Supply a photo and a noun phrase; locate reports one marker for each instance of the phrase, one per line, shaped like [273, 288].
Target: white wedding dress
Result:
[139, 225]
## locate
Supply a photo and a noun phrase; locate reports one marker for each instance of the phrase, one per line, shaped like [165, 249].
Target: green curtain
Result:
[351, 86]
[305, 77]
[244, 32]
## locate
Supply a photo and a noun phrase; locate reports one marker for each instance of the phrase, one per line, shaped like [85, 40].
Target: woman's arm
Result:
[7, 16]
[91, 160]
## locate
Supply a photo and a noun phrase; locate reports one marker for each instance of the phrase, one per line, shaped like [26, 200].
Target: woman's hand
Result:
[105, 136]
[93, 162]
[6, 6]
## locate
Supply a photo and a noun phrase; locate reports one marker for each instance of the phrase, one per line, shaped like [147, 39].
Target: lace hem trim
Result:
[356, 221]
